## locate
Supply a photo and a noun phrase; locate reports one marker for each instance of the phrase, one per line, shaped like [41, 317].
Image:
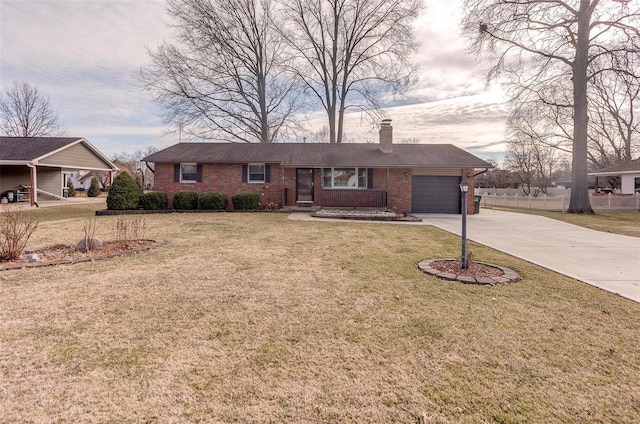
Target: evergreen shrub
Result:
[94, 188]
[246, 201]
[72, 190]
[124, 193]
[213, 201]
[154, 201]
[185, 200]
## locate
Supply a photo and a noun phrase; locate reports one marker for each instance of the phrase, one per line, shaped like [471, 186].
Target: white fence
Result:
[558, 203]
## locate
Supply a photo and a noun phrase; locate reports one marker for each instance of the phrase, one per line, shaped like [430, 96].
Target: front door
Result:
[304, 185]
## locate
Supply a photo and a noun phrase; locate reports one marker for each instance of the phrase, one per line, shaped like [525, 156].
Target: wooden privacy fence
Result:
[560, 203]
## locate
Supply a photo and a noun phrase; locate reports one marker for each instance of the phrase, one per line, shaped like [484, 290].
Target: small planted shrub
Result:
[16, 228]
[246, 201]
[124, 193]
[71, 192]
[154, 201]
[94, 188]
[130, 228]
[185, 200]
[213, 201]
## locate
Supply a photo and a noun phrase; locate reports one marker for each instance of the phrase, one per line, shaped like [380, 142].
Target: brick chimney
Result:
[386, 136]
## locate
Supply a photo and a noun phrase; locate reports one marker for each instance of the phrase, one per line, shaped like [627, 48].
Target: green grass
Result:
[255, 318]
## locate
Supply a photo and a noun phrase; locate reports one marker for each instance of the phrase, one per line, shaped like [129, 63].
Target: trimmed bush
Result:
[154, 201]
[72, 190]
[94, 188]
[124, 193]
[213, 201]
[246, 201]
[185, 200]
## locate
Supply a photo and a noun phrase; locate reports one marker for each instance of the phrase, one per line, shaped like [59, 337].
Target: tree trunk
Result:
[579, 202]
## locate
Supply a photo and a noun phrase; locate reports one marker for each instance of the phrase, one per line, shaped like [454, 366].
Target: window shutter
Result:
[176, 173]
[199, 173]
[370, 178]
[245, 171]
[267, 173]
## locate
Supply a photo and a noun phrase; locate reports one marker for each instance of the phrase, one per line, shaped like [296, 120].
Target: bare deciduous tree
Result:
[348, 51]
[225, 76]
[26, 112]
[532, 162]
[555, 42]
[614, 117]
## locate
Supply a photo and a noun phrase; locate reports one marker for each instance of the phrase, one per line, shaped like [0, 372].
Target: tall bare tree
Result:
[614, 117]
[349, 51]
[556, 42]
[26, 112]
[224, 78]
[534, 163]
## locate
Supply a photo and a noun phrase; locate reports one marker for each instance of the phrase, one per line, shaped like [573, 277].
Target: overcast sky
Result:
[84, 55]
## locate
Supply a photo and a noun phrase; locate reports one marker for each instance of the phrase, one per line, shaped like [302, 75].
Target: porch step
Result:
[302, 208]
[50, 196]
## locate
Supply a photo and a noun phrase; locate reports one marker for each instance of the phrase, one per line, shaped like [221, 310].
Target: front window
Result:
[256, 173]
[344, 177]
[188, 172]
[637, 184]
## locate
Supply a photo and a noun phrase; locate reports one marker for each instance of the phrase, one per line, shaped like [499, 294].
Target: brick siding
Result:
[227, 178]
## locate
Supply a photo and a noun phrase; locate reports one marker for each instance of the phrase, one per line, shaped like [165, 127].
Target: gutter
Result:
[480, 173]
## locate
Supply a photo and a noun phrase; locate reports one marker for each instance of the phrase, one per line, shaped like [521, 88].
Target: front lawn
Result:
[255, 318]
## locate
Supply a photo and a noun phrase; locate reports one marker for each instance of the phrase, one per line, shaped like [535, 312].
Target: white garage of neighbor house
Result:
[629, 173]
[38, 166]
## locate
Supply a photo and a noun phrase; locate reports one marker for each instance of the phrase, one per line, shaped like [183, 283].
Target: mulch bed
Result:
[475, 273]
[64, 254]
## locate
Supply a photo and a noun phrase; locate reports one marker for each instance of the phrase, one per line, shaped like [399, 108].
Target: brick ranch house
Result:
[418, 178]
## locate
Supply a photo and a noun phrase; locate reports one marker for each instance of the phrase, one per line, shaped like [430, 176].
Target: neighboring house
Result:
[38, 166]
[420, 178]
[628, 172]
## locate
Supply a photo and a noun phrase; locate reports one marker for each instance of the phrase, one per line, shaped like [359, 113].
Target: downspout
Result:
[34, 184]
[284, 188]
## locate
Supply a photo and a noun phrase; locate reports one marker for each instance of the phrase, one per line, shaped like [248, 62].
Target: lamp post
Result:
[464, 188]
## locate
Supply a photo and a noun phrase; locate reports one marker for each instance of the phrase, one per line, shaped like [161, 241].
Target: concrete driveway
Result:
[608, 261]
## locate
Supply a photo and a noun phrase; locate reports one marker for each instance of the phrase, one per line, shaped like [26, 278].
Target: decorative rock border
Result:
[364, 215]
[508, 275]
[21, 265]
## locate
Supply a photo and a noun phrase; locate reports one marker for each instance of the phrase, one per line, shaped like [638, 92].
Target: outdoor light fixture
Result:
[464, 188]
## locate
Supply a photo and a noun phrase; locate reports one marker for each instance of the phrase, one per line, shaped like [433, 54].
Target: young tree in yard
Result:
[348, 51]
[224, 78]
[26, 112]
[548, 43]
[94, 188]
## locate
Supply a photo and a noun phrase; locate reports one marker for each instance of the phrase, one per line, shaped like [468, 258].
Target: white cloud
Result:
[84, 54]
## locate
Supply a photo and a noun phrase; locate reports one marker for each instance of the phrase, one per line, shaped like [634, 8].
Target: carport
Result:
[32, 166]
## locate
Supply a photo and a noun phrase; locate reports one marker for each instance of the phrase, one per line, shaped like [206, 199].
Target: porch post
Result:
[34, 184]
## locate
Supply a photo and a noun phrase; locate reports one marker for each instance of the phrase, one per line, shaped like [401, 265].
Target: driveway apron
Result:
[608, 261]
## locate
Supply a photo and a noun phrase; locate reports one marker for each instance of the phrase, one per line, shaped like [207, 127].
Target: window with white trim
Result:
[188, 173]
[256, 173]
[347, 178]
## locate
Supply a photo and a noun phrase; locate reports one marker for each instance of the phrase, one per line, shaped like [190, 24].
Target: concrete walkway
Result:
[608, 261]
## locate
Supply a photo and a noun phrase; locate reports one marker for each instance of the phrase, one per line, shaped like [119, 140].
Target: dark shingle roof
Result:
[322, 154]
[629, 166]
[29, 148]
